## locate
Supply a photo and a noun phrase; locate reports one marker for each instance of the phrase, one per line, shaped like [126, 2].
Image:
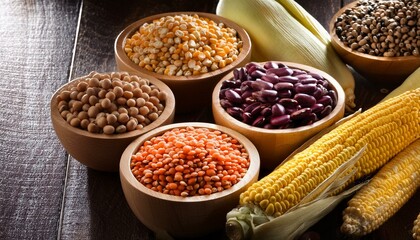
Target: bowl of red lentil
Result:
[181, 180]
[189, 51]
[379, 39]
[98, 115]
[278, 106]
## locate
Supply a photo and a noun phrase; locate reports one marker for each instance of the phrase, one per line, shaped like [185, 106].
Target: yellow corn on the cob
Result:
[416, 228]
[384, 129]
[283, 31]
[385, 194]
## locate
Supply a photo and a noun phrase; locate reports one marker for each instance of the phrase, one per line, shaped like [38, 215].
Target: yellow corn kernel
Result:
[416, 228]
[384, 129]
[388, 190]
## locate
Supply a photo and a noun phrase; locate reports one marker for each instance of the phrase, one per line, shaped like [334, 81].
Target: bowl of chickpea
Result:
[98, 115]
[188, 51]
[181, 179]
[379, 39]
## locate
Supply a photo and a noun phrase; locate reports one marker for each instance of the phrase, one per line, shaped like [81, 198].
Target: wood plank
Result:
[95, 206]
[36, 42]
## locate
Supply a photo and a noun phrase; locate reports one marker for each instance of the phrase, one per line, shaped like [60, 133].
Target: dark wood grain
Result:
[36, 42]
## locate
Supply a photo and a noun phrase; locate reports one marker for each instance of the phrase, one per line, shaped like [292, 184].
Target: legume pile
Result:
[183, 45]
[111, 103]
[381, 28]
[276, 96]
[190, 161]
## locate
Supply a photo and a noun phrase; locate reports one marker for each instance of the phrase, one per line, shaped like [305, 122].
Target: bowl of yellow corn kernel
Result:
[188, 51]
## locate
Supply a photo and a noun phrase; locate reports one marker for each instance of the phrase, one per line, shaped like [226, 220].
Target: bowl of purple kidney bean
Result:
[277, 105]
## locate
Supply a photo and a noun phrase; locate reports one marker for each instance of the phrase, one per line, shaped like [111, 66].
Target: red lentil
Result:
[193, 162]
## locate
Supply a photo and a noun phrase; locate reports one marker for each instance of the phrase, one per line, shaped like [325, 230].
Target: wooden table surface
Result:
[44, 192]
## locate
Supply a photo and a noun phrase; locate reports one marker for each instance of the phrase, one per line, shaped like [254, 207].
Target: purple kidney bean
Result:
[277, 110]
[317, 93]
[308, 120]
[304, 99]
[269, 96]
[289, 79]
[324, 91]
[251, 106]
[289, 103]
[317, 107]
[257, 73]
[261, 85]
[235, 112]
[255, 111]
[309, 81]
[266, 112]
[316, 75]
[225, 103]
[282, 71]
[270, 64]
[300, 114]
[327, 110]
[284, 93]
[269, 126]
[230, 84]
[233, 96]
[333, 96]
[297, 72]
[324, 83]
[246, 94]
[305, 88]
[280, 120]
[249, 67]
[247, 118]
[283, 86]
[325, 100]
[270, 78]
[250, 99]
[259, 121]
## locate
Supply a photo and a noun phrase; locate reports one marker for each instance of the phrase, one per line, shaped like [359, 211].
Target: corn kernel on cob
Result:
[385, 194]
[416, 228]
[377, 135]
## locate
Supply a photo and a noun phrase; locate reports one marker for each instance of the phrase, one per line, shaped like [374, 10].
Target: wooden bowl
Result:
[274, 145]
[387, 71]
[100, 151]
[184, 217]
[191, 92]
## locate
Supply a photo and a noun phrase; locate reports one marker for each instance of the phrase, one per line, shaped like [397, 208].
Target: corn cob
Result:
[385, 194]
[383, 130]
[284, 31]
[416, 228]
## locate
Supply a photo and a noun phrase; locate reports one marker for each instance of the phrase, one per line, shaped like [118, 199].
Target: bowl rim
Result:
[337, 41]
[337, 109]
[133, 27]
[253, 169]
[167, 113]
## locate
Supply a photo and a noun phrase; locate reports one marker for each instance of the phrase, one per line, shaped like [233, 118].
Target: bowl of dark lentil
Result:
[188, 51]
[181, 180]
[277, 105]
[98, 115]
[379, 39]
